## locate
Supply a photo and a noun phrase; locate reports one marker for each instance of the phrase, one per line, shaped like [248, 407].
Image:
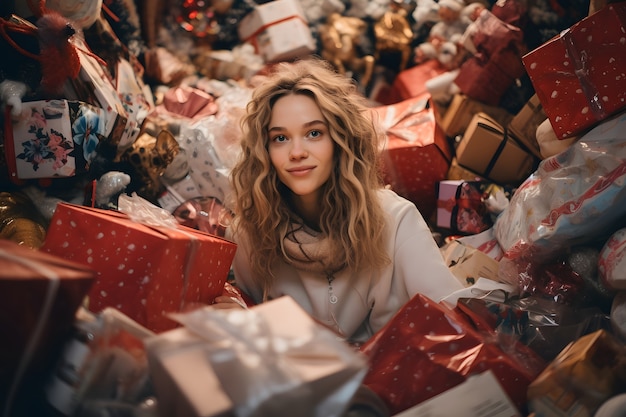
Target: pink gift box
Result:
[579, 76]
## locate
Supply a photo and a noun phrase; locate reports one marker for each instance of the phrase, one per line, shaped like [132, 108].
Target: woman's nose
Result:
[298, 150]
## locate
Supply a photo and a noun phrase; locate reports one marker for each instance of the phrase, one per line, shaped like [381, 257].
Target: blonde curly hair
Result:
[351, 217]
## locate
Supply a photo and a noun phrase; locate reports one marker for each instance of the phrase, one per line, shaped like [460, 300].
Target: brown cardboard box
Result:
[486, 149]
[523, 126]
[468, 264]
[584, 375]
[461, 110]
[458, 172]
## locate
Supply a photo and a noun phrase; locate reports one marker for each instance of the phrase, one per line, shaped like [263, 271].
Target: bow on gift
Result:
[57, 54]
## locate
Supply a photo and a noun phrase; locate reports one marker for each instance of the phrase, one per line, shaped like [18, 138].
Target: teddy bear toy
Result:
[445, 35]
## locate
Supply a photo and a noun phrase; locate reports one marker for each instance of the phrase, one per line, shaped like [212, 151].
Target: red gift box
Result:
[143, 271]
[579, 74]
[411, 82]
[417, 154]
[488, 74]
[487, 78]
[40, 294]
[428, 348]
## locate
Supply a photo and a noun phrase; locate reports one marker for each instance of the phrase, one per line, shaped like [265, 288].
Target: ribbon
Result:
[252, 38]
[499, 150]
[142, 211]
[464, 203]
[581, 70]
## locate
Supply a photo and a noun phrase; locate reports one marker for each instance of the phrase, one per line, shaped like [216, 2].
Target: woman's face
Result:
[300, 147]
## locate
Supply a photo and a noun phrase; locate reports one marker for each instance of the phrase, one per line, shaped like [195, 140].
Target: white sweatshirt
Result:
[366, 299]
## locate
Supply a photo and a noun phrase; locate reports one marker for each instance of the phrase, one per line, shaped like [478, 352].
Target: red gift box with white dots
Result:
[580, 75]
[143, 271]
[428, 348]
[417, 154]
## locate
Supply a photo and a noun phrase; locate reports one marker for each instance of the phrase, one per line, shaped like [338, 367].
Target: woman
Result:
[313, 220]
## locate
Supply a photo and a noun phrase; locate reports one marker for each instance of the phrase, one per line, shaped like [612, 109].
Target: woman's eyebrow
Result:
[307, 124]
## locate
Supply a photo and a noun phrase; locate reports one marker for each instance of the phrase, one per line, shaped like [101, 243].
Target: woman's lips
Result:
[300, 171]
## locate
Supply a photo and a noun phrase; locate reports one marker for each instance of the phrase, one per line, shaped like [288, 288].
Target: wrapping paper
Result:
[486, 75]
[53, 139]
[143, 270]
[572, 198]
[40, 294]
[428, 348]
[541, 324]
[411, 82]
[96, 87]
[586, 373]
[258, 362]
[103, 366]
[485, 242]
[417, 155]
[278, 30]
[579, 74]
[460, 206]
[612, 262]
[188, 103]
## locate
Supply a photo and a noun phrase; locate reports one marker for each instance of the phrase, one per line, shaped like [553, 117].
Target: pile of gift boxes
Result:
[527, 199]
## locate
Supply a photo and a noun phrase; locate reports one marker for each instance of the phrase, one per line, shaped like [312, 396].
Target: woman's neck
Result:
[308, 209]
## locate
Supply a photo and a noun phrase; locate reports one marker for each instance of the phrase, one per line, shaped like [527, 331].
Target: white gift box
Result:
[278, 30]
[272, 359]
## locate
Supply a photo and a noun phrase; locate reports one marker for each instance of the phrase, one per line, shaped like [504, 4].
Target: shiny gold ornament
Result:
[20, 221]
[394, 34]
[340, 37]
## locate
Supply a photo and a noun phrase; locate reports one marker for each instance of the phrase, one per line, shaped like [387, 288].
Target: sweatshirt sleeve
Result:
[418, 262]
[242, 270]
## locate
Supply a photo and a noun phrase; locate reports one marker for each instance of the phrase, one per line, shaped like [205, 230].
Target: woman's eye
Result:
[279, 138]
[315, 134]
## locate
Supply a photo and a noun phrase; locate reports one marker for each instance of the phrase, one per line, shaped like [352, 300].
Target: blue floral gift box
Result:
[53, 139]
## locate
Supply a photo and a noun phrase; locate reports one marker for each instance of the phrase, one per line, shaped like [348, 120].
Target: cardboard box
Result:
[205, 370]
[579, 74]
[587, 372]
[417, 154]
[469, 264]
[278, 30]
[459, 113]
[458, 172]
[40, 294]
[523, 126]
[143, 271]
[486, 149]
